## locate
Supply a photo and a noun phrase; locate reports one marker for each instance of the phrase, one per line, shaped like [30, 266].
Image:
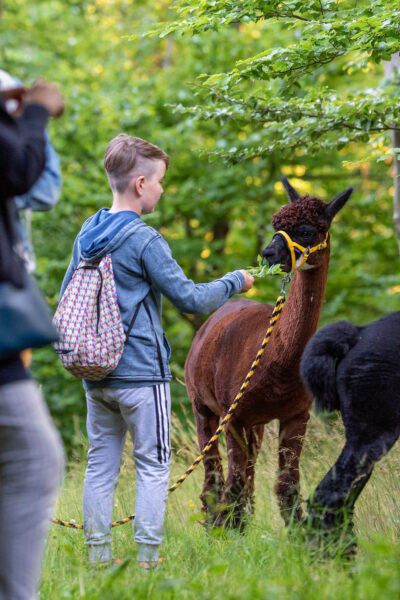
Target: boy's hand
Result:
[46, 94]
[248, 281]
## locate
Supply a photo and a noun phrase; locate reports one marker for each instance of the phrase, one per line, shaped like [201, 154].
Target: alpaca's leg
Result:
[206, 424]
[291, 437]
[255, 439]
[333, 501]
[243, 446]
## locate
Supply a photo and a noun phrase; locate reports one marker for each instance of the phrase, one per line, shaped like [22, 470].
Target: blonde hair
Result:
[127, 157]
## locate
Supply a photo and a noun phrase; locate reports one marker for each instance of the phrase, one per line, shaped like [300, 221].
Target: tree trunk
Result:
[390, 67]
[396, 195]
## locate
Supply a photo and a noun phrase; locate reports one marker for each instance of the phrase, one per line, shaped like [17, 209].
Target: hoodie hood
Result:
[104, 232]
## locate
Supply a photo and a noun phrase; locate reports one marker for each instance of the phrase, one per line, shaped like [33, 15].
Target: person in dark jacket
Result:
[44, 193]
[31, 456]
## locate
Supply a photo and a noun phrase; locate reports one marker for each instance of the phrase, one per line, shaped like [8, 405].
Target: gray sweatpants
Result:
[145, 412]
[31, 461]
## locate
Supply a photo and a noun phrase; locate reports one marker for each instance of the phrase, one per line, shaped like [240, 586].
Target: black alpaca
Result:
[355, 370]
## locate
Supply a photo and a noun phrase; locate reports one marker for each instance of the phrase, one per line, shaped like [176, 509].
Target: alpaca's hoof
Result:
[232, 518]
[330, 542]
[350, 551]
[292, 516]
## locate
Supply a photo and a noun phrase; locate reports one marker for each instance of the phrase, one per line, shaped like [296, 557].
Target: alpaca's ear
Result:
[291, 192]
[337, 203]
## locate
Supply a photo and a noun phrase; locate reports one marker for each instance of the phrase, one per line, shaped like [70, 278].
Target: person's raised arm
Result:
[22, 141]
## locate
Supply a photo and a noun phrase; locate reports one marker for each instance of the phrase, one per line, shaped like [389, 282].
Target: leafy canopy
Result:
[280, 92]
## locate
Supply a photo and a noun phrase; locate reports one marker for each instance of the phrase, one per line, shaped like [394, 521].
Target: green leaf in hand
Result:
[264, 271]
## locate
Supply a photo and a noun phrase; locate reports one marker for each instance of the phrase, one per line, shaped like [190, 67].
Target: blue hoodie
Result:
[144, 270]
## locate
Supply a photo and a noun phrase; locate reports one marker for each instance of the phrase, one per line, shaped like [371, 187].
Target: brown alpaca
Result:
[223, 350]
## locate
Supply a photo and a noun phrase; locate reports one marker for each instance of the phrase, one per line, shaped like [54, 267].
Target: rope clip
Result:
[285, 280]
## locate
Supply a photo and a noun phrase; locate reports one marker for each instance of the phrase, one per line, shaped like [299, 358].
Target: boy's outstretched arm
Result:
[165, 273]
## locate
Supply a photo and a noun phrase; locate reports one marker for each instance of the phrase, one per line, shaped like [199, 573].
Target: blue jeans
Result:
[145, 413]
[31, 462]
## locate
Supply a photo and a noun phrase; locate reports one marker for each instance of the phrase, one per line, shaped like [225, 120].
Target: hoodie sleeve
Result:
[165, 273]
[72, 266]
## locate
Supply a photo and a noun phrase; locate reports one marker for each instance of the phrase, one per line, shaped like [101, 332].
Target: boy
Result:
[135, 397]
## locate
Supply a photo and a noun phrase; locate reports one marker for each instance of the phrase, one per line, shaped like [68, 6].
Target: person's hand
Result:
[45, 94]
[17, 94]
[14, 98]
[248, 281]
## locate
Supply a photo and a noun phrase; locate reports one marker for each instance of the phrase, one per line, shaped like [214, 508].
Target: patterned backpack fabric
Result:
[91, 334]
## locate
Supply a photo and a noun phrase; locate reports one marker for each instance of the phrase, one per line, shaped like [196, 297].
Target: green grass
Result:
[263, 563]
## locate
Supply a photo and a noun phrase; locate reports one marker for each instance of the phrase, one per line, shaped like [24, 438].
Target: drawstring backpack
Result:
[88, 319]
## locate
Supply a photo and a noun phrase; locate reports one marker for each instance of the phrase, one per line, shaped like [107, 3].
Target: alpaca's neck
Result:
[300, 315]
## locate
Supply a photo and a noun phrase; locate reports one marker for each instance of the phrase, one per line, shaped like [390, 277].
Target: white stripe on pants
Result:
[145, 413]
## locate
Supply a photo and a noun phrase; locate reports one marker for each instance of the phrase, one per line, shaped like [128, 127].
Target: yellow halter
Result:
[305, 251]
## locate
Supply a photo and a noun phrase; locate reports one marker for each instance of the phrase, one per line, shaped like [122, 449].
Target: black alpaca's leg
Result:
[291, 438]
[206, 424]
[242, 446]
[334, 498]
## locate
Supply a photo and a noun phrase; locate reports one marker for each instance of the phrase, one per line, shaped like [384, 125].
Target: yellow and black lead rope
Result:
[274, 318]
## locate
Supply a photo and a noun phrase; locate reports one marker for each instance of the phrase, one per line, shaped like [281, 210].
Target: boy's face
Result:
[152, 188]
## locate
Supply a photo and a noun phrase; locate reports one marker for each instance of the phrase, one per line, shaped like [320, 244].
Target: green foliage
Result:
[294, 111]
[262, 270]
[215, 215]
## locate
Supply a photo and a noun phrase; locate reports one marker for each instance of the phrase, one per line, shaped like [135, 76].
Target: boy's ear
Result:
[138, 184]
